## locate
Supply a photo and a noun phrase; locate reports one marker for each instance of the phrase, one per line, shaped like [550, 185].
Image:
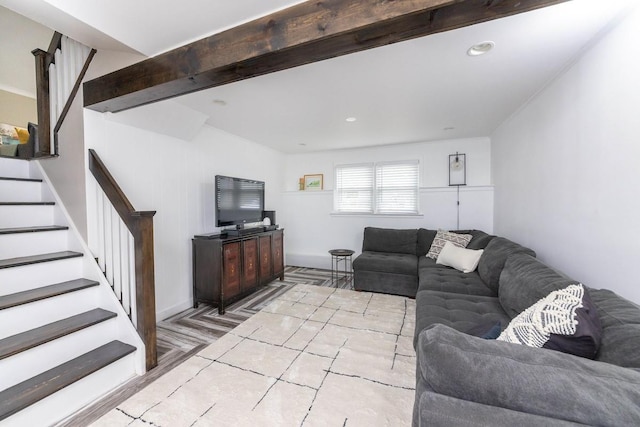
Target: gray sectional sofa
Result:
[462, 379]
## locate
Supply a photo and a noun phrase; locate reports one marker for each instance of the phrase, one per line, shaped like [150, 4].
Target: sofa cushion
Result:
[460, 312]
[437, 410]
[620, 320]
[525, 280]
[493, 259]
[390, 240]
[530, 380]
[442, 237]
[488, 330]
[28, 150]
[480, 239]
[425, 239]
[387, 283]
[8, 150]
[387, 263]
[565, 320]
[436, 277]
[465, 260]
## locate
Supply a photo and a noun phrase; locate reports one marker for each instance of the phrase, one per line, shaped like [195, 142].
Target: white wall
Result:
[311, 230]
[565, 167]
[176, 178]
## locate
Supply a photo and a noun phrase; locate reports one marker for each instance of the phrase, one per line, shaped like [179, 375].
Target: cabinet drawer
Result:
[249, 263]
[265, 258]
[231, 269]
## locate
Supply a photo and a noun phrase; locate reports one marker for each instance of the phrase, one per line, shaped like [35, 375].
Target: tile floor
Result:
[315, 356]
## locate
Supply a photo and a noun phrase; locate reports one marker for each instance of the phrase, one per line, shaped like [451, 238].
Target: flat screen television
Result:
[238, 200]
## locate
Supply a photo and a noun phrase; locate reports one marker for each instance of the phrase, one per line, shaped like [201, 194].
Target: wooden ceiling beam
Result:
[305, 33]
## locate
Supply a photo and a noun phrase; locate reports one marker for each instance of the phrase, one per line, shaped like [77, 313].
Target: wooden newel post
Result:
[43, 60]
[145, 285]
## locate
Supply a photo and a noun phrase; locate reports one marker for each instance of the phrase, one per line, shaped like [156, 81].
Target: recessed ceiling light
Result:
[480, 48]
[220, 102]
[351, 119]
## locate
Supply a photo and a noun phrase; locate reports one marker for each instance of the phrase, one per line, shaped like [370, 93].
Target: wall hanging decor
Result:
[457, 169]
[457, 177]
[314, 182]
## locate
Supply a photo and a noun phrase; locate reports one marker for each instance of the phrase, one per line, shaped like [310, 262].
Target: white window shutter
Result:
[397, 187]
[354, 186]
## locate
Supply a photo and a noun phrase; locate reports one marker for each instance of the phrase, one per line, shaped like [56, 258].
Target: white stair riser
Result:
[14, 168]
[26, 244]
[26, 215]
[28, 316]
[20, 191]
[18, 279]
[72, 398]
[54, 353]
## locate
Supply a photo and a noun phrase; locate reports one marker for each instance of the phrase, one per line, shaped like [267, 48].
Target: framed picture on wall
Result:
[314, 182]
[457, 169]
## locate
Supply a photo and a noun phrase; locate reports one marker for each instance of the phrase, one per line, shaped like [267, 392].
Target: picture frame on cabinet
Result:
[314, 182]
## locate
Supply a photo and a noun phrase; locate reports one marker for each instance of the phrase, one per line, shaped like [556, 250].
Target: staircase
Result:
[65, 340]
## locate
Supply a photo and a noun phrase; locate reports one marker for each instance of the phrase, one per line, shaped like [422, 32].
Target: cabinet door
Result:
[265, 258]
[277, 253]
[231, 270]
[249, 264]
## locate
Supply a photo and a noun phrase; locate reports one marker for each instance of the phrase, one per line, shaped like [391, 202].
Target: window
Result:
[377, 188]
[354, 188]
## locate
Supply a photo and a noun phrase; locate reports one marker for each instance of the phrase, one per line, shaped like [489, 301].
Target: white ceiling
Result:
[419, 90]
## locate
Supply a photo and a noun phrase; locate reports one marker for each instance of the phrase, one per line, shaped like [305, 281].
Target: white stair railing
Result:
[125, 253]
[59, 73]
[69, 61]
[116, 253]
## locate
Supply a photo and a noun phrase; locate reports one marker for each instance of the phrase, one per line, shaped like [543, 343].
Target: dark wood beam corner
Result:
[304, 33]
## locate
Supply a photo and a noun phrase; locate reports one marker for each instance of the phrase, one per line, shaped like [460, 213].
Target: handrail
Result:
[140, 224]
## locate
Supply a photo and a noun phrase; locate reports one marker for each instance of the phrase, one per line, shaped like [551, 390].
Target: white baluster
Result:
[124, 265]
[100, 214]
[53, 99]
[132, 280]
[60, 82]
[68, 69]
[108, 248]
[115, 230]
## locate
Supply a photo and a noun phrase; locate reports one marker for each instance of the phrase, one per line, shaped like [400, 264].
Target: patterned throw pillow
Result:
[565, 320]
[442, 237]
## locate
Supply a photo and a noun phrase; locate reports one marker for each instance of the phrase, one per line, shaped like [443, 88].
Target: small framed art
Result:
[314, 182]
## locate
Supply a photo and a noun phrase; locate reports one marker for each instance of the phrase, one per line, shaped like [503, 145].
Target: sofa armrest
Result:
[435, 410]
[523, 379]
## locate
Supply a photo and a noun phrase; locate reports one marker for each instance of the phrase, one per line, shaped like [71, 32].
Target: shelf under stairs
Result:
[62, 344]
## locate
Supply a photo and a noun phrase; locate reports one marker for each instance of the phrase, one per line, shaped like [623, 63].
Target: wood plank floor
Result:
[186, 333]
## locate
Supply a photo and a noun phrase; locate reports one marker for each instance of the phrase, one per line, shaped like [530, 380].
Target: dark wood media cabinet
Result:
[226, 269]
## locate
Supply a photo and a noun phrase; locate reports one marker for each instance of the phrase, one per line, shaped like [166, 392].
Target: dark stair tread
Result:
[26, 393]
[44, 292]
[27, 203]
[6, 178]
[43, 334]
[34, 259]
[38, 229]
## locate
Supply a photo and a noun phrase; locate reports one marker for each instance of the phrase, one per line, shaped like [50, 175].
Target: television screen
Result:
[238, 201]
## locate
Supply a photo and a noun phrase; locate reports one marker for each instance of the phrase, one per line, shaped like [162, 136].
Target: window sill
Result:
[362, 214]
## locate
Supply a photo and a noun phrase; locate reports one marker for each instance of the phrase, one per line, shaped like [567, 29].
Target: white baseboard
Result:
[308, 260]
[174, 309]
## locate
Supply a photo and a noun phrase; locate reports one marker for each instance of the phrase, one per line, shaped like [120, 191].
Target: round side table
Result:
[343, 256]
